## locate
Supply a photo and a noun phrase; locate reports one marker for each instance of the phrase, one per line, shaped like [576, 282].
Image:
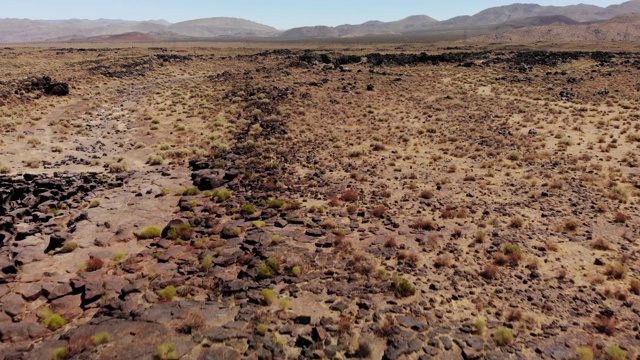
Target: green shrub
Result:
[584, 353]
[191, 191]
[283, 304]
[504, 336]
[259, 223]
[273, 264]
[296, 270]
[265, 272]
[403, 287]
[262, 329]
[512, 249]
[268, 296]
[207, 261]
[276, 239]
[614, 352]
[168, 293]
[94, 203]
[167, 351]
[101, 338]
[118, 256]
[53, 321]
[480, 324]
[66, 248]
[59, 353]
[183, 231]
[222, 194]
[247, 209]
[150, 232]
[274, 203]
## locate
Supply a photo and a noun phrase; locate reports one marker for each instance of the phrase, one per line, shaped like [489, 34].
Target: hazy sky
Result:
[282, 14]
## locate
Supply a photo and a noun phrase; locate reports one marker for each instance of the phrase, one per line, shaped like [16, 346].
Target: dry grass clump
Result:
[616, 270]
[379, 210]
[444, 260]
[600, 244]
[516, 222]
[425, 224]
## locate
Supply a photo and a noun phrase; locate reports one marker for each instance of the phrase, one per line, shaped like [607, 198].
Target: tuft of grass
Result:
[616, 270]
[503, 336]
[584, 353]
[167, 351]
[283, 304]
[168, 293]
[51, 320]
[206, 263]
[614, 352]
[403, 287]
[259, 223]
[150, 232]
[262, 329]
[296, 270]
[59, 353]
[247, 209]
[94, 203]
[118, 256]
[191, 191]
[221, 195]
[479, 324]
[268, 296]
[101, 338]
[66, 248]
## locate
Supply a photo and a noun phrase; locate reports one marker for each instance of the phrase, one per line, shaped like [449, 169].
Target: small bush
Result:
[206, 263]
[268, 296]
[168, 293]
[193, 321]
[584, 353]
[403, 287]
[118, 256]
[66, 248]
[379, 210]
[296, 270]
[283, 304]
[426, 194]
[349, 195]
[259, 223]
[265, 272]
[94, 203]
[516, 222]
[167, 351]
[94, 264]
[247, 209]
[191, 191]
[101, 338]
[614, 352]
[150, 232]
[616, 270]
[634, 286]
[600, 244]
[503, 336]
[490, 272]
[59, 353]
[274, 203]
[52, 321]
[183, 231]
[425, 224]
[276, 239]
[262, 329]
[155, 160]
[118, 167]
[479, 324]
[221, 195]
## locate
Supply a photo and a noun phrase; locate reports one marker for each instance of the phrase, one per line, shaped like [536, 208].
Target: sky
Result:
[281, 14]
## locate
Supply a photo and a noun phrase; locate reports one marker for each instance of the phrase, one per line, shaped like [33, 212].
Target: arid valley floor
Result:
[260, 201]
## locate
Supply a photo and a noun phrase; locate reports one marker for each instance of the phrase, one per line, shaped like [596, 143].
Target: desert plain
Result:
[331, 200]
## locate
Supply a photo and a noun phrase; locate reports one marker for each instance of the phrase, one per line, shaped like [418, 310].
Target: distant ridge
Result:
[625, 27]
[490, 22]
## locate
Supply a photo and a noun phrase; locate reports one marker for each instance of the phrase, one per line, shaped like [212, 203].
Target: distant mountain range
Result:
[490, 22]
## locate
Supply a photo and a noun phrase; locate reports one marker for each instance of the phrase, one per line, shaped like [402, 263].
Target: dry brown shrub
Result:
[379, 210]
[192, 322]
[490, 271]
[349, 195]
[94, 264]
[600, 244]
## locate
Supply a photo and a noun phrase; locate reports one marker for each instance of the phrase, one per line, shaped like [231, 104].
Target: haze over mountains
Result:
[492, 21]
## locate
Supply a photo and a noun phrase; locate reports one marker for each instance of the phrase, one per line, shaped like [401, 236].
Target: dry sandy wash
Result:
[268, 202]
